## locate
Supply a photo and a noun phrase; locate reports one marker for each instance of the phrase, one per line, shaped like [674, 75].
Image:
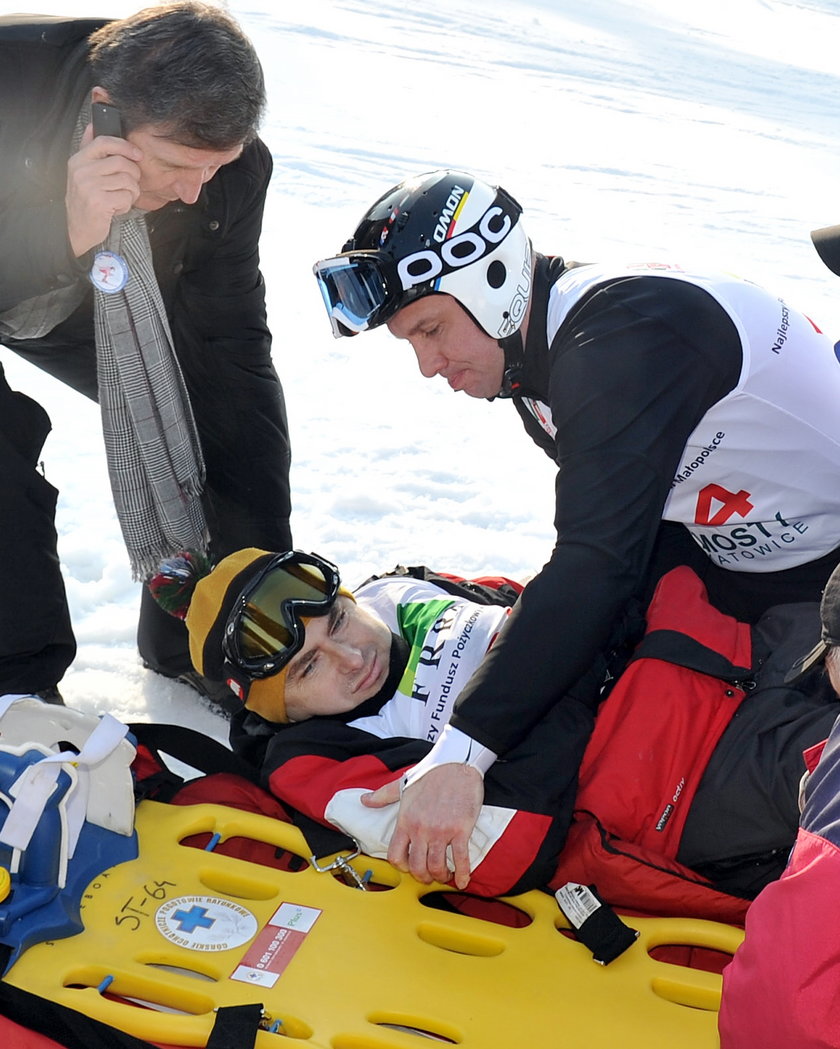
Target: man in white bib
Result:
[693, 419]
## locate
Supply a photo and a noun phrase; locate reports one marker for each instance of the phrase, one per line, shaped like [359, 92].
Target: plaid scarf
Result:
[151, 441]
[152, 446]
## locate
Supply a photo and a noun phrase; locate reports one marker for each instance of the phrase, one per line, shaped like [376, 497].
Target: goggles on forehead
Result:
[360, 290]
[263, 630]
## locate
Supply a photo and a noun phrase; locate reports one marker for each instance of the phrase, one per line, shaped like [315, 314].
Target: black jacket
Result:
[628, 376]
[206, 259]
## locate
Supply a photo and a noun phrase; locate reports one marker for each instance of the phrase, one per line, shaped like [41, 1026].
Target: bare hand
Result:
[103, 180]
[437, 812]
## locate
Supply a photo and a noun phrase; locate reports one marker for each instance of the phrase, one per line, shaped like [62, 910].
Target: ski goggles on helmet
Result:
[264, 630]
[360, 290]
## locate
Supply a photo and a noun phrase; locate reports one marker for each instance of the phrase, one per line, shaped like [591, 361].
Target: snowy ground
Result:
[627, 129]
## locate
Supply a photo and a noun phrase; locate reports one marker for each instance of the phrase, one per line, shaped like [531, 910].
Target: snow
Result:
[703, 132]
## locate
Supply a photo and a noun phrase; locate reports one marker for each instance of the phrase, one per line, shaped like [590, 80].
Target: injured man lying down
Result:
[348, 697]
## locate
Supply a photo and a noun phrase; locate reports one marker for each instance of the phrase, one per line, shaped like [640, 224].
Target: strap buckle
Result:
[341, 863]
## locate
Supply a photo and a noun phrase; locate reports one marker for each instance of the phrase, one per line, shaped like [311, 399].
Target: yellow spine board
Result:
[188, 931]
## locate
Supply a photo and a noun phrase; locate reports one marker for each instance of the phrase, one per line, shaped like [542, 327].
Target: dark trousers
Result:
[744, 817]
[241, 417]
[36, 639]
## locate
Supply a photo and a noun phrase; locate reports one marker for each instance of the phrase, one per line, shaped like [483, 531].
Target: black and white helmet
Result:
[444, 232]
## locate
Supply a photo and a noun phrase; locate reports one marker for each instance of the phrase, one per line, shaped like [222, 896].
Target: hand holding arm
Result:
[437, 813]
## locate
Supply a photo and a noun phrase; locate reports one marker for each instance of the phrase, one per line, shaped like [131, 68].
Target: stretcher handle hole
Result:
[691, 956]
[146, 992]
[491, 910]
[459, 941]
[263, 853]
[424, 1028]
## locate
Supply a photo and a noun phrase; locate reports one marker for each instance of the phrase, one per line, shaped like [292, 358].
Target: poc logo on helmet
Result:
[461, 250]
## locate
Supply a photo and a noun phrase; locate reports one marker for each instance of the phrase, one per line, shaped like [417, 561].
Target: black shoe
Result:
[217, 692]
[50, 695]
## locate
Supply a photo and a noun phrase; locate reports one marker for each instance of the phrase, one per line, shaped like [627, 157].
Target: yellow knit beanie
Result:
[210, 606]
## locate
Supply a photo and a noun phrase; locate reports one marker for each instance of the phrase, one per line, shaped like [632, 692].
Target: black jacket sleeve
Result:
[632, 371]
[42, 83]
[218, 317]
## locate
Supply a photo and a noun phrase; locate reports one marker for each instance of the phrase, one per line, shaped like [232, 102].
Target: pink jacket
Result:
[782, 989]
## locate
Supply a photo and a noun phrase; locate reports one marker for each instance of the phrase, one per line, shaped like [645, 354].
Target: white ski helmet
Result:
[442, 232]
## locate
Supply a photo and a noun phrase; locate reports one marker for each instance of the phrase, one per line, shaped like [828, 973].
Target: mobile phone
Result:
[107, 120]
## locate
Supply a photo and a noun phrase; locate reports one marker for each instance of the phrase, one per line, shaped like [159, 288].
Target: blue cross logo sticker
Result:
[194, 918]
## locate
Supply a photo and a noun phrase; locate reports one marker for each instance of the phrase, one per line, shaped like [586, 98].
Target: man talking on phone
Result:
[132, 188]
